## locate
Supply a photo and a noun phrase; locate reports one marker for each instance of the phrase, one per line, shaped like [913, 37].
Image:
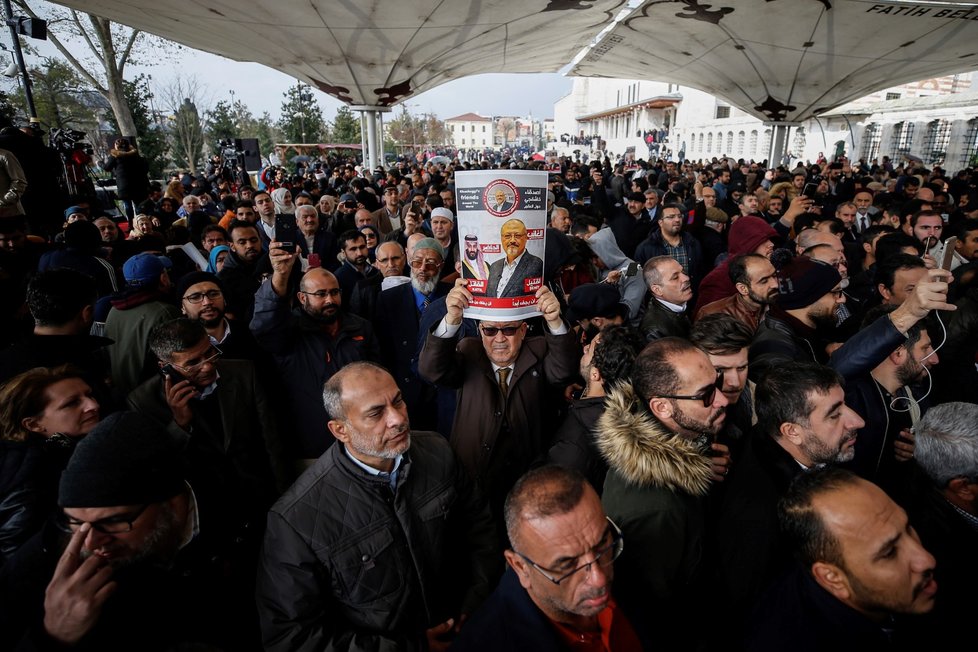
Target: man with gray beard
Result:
[396, 320]
[129, 563]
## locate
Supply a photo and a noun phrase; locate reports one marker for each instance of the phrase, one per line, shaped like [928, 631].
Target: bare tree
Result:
[187, 107]
[109, 47]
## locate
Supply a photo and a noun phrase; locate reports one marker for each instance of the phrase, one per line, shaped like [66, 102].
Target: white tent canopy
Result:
[780, 60]
[788, 60]
[369, 52]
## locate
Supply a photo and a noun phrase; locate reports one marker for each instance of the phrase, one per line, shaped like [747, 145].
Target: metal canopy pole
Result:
[779, 141]
[374, 144]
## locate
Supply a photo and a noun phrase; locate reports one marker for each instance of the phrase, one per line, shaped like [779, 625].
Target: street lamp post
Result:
[34, 28]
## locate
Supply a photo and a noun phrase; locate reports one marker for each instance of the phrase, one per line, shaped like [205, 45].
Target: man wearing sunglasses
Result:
[556, 592]
[502, 421]
[658, 435]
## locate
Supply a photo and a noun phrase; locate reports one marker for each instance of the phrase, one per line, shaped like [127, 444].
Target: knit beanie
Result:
[127, 459]
[193, 278]
[804, 281]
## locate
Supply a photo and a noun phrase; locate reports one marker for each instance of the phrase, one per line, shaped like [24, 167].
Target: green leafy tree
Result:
[302, 119]
[8, 109]
[222, 122]
[346, 126]
[57, 98]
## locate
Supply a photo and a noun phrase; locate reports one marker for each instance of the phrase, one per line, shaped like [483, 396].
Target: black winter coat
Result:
[350, 564]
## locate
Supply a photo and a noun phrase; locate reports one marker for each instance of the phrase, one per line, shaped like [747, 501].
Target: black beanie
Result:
[127, 459]
[83, 235]
[804, 281]
[193, 278]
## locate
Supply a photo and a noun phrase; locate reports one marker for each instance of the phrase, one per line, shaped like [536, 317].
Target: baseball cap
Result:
[145, 268]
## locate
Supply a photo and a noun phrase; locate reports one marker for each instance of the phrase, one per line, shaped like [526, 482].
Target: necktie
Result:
[862, 223]
[426, 302]
[504, 381]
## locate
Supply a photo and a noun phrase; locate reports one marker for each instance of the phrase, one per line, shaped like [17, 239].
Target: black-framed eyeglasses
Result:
[604, 556]
[322, 294]
[194, 368]
[110, 525]
[198, 297]
[508, 331]
[429, 264]
[706, 396]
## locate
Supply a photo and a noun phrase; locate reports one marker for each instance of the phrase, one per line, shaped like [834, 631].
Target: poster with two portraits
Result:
[501, 223]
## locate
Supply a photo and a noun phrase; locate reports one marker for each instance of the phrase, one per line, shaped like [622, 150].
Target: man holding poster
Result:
[507, 275]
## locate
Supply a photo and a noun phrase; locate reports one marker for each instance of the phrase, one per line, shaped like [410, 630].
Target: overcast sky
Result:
[262, 88]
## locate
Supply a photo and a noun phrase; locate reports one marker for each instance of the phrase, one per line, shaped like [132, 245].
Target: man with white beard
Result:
[396, 320]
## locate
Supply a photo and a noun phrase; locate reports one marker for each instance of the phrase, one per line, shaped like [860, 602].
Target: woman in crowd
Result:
[282, 197]
[43, 414]
[372, 236]
[217, 257]
[142, 226]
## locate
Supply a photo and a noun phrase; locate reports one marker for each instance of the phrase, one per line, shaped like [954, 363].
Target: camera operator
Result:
[131, 172]
[42, 166]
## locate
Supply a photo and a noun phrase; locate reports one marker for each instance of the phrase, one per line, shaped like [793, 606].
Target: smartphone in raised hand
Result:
[948, 258]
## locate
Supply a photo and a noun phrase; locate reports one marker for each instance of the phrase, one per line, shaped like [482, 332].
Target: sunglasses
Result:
[706, 396]
[508, 331]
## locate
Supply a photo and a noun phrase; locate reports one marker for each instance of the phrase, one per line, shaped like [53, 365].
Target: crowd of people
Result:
[251, 414]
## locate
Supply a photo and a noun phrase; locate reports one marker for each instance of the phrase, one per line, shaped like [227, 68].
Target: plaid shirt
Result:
[679, 253]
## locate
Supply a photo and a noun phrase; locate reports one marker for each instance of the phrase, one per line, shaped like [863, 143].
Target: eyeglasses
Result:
[604, 557]
[429, 264]
[111, 525]
[194, 368]
[706, 396]
[322, 294]
[508, 331]
[198, 297]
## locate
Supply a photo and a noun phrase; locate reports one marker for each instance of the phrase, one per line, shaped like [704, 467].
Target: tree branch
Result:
[124, 59]
[79, 68]
[84, 34]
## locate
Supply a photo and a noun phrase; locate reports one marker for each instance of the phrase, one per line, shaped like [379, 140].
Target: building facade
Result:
[935, 120]
[470, 130]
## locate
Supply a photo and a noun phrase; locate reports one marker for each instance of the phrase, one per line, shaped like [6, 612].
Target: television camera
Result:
[76, 157]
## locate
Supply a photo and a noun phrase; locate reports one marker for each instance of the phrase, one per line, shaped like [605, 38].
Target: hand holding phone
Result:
[810, 190]
[949, 246]
[175, 376]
